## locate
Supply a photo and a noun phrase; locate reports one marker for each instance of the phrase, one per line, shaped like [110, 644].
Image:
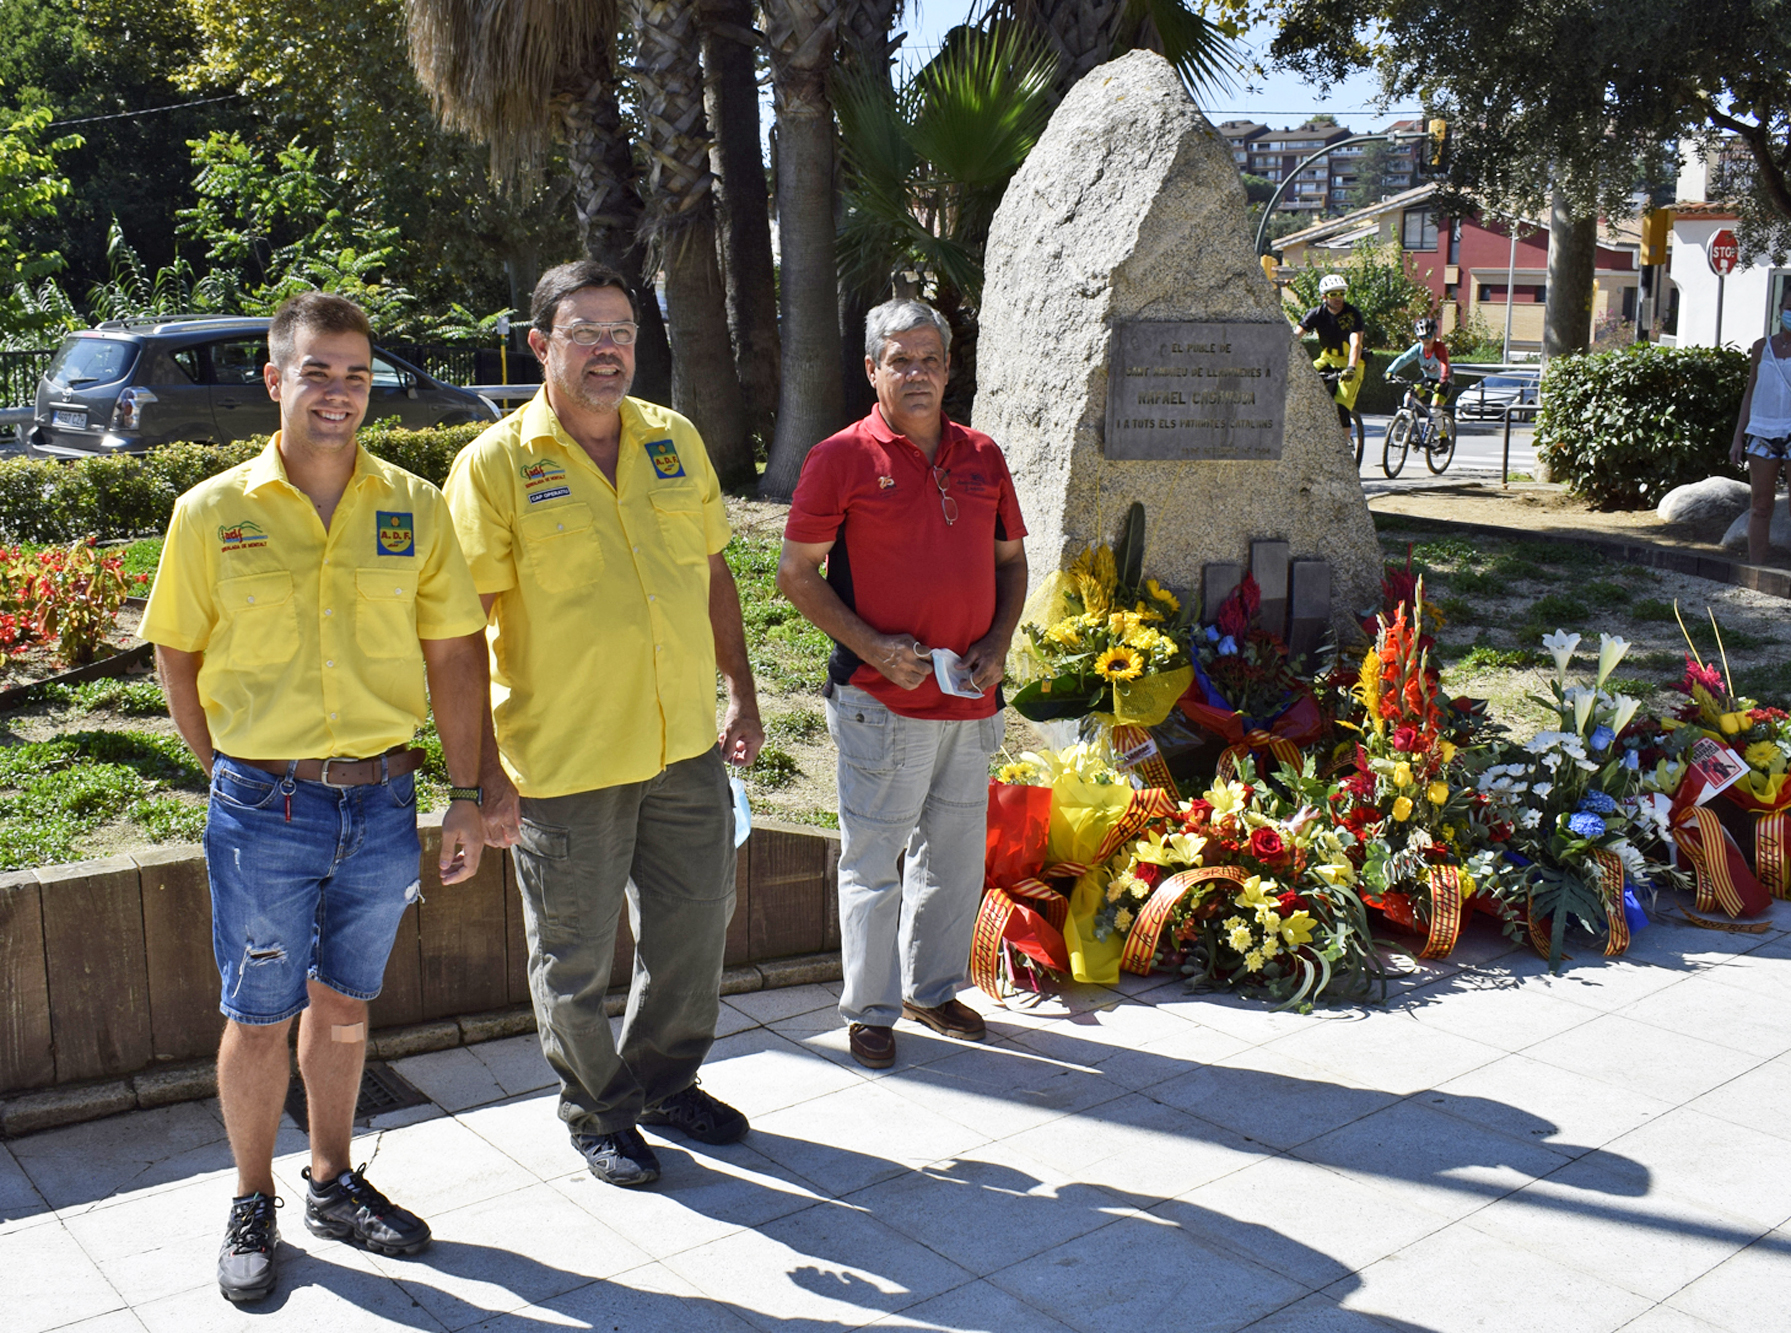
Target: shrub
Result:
[1381, 286]
[43, 501]
[1623, 428]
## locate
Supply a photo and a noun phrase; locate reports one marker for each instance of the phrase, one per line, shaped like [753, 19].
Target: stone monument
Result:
[1132, 349]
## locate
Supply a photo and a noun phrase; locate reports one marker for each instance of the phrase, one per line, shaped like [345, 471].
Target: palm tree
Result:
[801, 35]
[1086, 33]
[742, 202]
[515, 73]
[681, 228]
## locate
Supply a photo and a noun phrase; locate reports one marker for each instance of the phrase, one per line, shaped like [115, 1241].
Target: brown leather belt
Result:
[394, 763]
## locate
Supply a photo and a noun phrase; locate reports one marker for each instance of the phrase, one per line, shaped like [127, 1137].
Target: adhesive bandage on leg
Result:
[349, 1032]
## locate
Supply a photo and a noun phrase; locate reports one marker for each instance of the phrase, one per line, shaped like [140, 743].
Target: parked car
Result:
[125, 386]
[1490, 397]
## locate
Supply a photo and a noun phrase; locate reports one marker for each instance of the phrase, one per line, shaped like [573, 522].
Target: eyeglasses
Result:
[941, 479]
[588, 333]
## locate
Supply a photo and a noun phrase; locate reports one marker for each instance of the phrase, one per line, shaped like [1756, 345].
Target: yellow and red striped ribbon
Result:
[1699, 834]
[1141, 945]
[1772, 853]
[1282, 748]
[1444, 927]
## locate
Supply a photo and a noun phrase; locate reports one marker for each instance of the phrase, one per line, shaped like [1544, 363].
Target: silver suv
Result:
[124, 386]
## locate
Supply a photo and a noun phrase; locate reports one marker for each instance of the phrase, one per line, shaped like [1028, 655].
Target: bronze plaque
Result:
[1197, 391]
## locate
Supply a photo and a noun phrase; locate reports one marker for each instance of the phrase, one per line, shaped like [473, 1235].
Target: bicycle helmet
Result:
[1425, 328]
[1332, 282]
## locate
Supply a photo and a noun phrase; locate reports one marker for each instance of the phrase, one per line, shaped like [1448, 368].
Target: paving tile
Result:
[1689, 946]
[1665, 1319]
[1392, 1051]
[760, 1071]
[1565, 1111]
[1460, 1279]
[975, 1305]
[1606, 984]
[19, 1199]
[160, 1242]
[1318, 1313]
[729, 1020]
[650, 1299]
[1141, 1151]
[529, 1131]
[1757, 1098]
[1714, 1164]
[830, 1264]
[118, 1321]
[856, 1137]
[516, 1063]
[1271, 1098]
[1746, 1292]
[1145, 1272]
[698, 1199]
[915, 1045]
[769, 1006]
[1497, 1011]
[1643, 1058]
[50, 1281]
[1765, 970]
[331, 1288]
[1004, 1089]
[1441, 1163]
[989, 1207]
[1249, 1020]
[503, 1253]
[1707, 1009]
[81, 1165]
[1304, 1221]
[427, 1168]
[454, 1079]
[1133, 1044]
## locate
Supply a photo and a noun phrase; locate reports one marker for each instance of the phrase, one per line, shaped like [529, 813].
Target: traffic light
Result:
[1439, 146]
[1657, 225]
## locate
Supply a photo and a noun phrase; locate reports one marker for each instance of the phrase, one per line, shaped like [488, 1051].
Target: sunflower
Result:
[1119, 664]
[1162, 594]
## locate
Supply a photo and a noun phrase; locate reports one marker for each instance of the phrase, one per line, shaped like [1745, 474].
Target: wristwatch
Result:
[474, 794]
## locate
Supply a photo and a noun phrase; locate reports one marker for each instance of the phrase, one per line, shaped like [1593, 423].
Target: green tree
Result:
[31, 186]
[1371, 175]
[1380, 286]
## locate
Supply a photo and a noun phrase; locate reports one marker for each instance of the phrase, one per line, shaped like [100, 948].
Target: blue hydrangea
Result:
[1598, 803]
[1585, 826]
[1631, 760]
[1601, 738]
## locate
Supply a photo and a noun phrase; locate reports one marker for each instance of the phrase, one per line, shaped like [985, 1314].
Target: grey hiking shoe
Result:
[695, 1113]
[348, 1208]
[246, 1262]
[622, 1158]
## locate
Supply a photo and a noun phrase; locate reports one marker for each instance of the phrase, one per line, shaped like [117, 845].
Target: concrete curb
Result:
[27, 1112]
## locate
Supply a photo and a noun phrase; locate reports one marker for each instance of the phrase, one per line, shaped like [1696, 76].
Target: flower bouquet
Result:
[1245, 689]
[1567, 808]
[1406, 804]
[1238, 888]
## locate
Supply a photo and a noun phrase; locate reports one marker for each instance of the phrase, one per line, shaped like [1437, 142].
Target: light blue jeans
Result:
[919, 786]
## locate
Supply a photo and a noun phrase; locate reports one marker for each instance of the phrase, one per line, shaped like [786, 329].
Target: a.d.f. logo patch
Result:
[665, 458]
[397, 535]
[244, 536]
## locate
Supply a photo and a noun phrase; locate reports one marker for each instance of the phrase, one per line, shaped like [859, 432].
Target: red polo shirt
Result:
[895, 561]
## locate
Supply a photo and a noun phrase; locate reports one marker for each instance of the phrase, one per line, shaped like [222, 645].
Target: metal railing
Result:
[19, 374]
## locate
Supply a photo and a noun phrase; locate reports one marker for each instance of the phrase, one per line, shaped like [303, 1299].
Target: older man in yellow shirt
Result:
[302, 599]
[594, 527]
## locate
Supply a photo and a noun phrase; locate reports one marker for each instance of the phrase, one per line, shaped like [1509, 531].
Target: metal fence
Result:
[19, 374]
[469, 365]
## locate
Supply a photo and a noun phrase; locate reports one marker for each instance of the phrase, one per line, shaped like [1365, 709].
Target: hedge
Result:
[124, 495]
[1623, 428]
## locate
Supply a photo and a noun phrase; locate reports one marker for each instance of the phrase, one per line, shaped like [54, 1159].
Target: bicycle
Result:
[1423, 426]
[1331, 377]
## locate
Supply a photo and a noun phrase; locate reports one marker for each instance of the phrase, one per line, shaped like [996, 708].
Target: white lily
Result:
[1562, 645]
[1610, 652]
[1582, 700]
[1626, 709]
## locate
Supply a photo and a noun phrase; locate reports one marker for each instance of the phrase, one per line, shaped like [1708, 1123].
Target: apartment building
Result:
[1324, 188]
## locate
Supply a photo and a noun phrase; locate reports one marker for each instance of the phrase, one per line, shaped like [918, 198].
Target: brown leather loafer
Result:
[954, 1018]
[872, 1047]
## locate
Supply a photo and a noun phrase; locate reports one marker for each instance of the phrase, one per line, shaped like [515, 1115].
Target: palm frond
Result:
[1187, 39]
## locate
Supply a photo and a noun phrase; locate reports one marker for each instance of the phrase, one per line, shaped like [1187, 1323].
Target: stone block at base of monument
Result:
[1131, 349]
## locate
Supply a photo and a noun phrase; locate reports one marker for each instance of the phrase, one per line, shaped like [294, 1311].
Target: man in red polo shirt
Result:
[918, 523]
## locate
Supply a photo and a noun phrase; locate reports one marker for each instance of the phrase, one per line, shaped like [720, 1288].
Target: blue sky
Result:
[1279, 99]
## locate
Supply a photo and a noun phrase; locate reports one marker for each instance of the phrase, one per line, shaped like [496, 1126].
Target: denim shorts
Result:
[317, 895]
[1759, 446]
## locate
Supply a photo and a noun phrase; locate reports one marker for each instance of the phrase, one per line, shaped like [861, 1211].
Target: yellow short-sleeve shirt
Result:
[603, 660]
[312, 638]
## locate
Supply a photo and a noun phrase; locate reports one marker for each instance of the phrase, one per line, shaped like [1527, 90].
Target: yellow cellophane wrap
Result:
[1082, 814]
[1146, 702]
[1046, 606]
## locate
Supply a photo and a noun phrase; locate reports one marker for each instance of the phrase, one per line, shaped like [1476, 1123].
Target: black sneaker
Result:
[246, 1262]
[622, 1158]
[348, 1208]
[696, 1114]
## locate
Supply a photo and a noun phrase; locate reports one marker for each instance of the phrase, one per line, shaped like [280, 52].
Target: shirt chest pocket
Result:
[680, 515]
[262, 618]
[560, 545]
[385, 612]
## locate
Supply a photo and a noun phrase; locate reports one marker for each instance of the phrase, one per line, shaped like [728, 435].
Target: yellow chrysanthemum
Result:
[1115, 889]
[1162, 594]
[1240, 939]
[1271, 945]
[1253, 961]
[1122, 920]
[1065, 633]
[1233, 922]
[1437, 792]
[1402, 809]
[1119, 664]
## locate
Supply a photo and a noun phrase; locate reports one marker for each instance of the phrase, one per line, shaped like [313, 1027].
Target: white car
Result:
[1491, 396]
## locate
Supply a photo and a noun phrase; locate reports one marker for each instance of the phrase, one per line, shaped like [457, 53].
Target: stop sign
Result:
[1724, 252]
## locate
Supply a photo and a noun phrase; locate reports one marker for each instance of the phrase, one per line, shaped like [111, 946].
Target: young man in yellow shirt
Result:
[594, 527]
[302, 599]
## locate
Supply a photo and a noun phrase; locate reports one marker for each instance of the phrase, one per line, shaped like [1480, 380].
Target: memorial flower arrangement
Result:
[1567, 808]
[1761, 736]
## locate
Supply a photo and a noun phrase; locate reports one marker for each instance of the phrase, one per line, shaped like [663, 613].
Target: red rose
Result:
[1290, 902]
[1405, 738]
[1149, 872]
[1266, 844]
[1200, 814]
